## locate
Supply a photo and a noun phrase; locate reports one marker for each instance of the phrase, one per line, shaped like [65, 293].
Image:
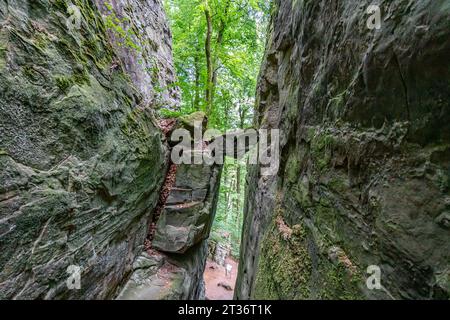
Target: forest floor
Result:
[216, 281]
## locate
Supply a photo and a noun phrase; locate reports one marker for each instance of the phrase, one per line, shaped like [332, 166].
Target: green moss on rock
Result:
[284, 268]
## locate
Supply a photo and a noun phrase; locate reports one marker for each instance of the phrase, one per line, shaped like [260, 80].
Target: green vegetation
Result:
[286, 269]
[321, 146]
[229, 217]
[218, 48]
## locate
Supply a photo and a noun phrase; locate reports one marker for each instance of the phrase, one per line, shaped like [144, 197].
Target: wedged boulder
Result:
[185, 224]
[364, 119]
[173, 268]
[178, 228]
[196, 177]
[180, 195]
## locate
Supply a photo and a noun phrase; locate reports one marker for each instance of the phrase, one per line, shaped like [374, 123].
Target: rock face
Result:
[365, 154]
[173, 263]
[180, 239]
[188, 215]
[221, 254]
[81, 160]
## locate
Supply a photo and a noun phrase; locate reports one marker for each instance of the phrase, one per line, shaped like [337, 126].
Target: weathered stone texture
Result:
[365, 149]
[186, 223]
[146, 51]
[81, 160]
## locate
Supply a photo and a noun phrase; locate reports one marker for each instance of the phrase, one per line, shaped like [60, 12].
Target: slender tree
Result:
[209, 62]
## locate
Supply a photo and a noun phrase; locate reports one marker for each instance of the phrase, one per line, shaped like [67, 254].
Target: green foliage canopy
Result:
[237, 47]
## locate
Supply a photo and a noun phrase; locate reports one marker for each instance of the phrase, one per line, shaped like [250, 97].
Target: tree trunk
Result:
[219, 42]
[238, 174]
[209, 64]
[242, 116]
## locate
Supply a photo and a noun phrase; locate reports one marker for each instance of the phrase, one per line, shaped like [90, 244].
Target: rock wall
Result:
[81, 159]
[189, 212]
[365, 154]
[142, 40]
[174, 265]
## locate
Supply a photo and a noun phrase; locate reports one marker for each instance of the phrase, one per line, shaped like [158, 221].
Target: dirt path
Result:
[214, 275]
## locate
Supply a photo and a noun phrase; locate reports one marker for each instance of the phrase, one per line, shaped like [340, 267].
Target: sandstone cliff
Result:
[364, 178]
[365, 149]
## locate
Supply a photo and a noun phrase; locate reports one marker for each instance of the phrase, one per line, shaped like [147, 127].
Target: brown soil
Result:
[214, 276]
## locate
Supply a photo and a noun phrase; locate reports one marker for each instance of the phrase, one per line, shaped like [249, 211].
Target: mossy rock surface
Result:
[81, 162]
[194, 120]
[365, 130]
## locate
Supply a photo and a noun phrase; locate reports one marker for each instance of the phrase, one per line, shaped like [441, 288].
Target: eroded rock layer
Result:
[81, 160]
[365, 150]
[173, 268]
